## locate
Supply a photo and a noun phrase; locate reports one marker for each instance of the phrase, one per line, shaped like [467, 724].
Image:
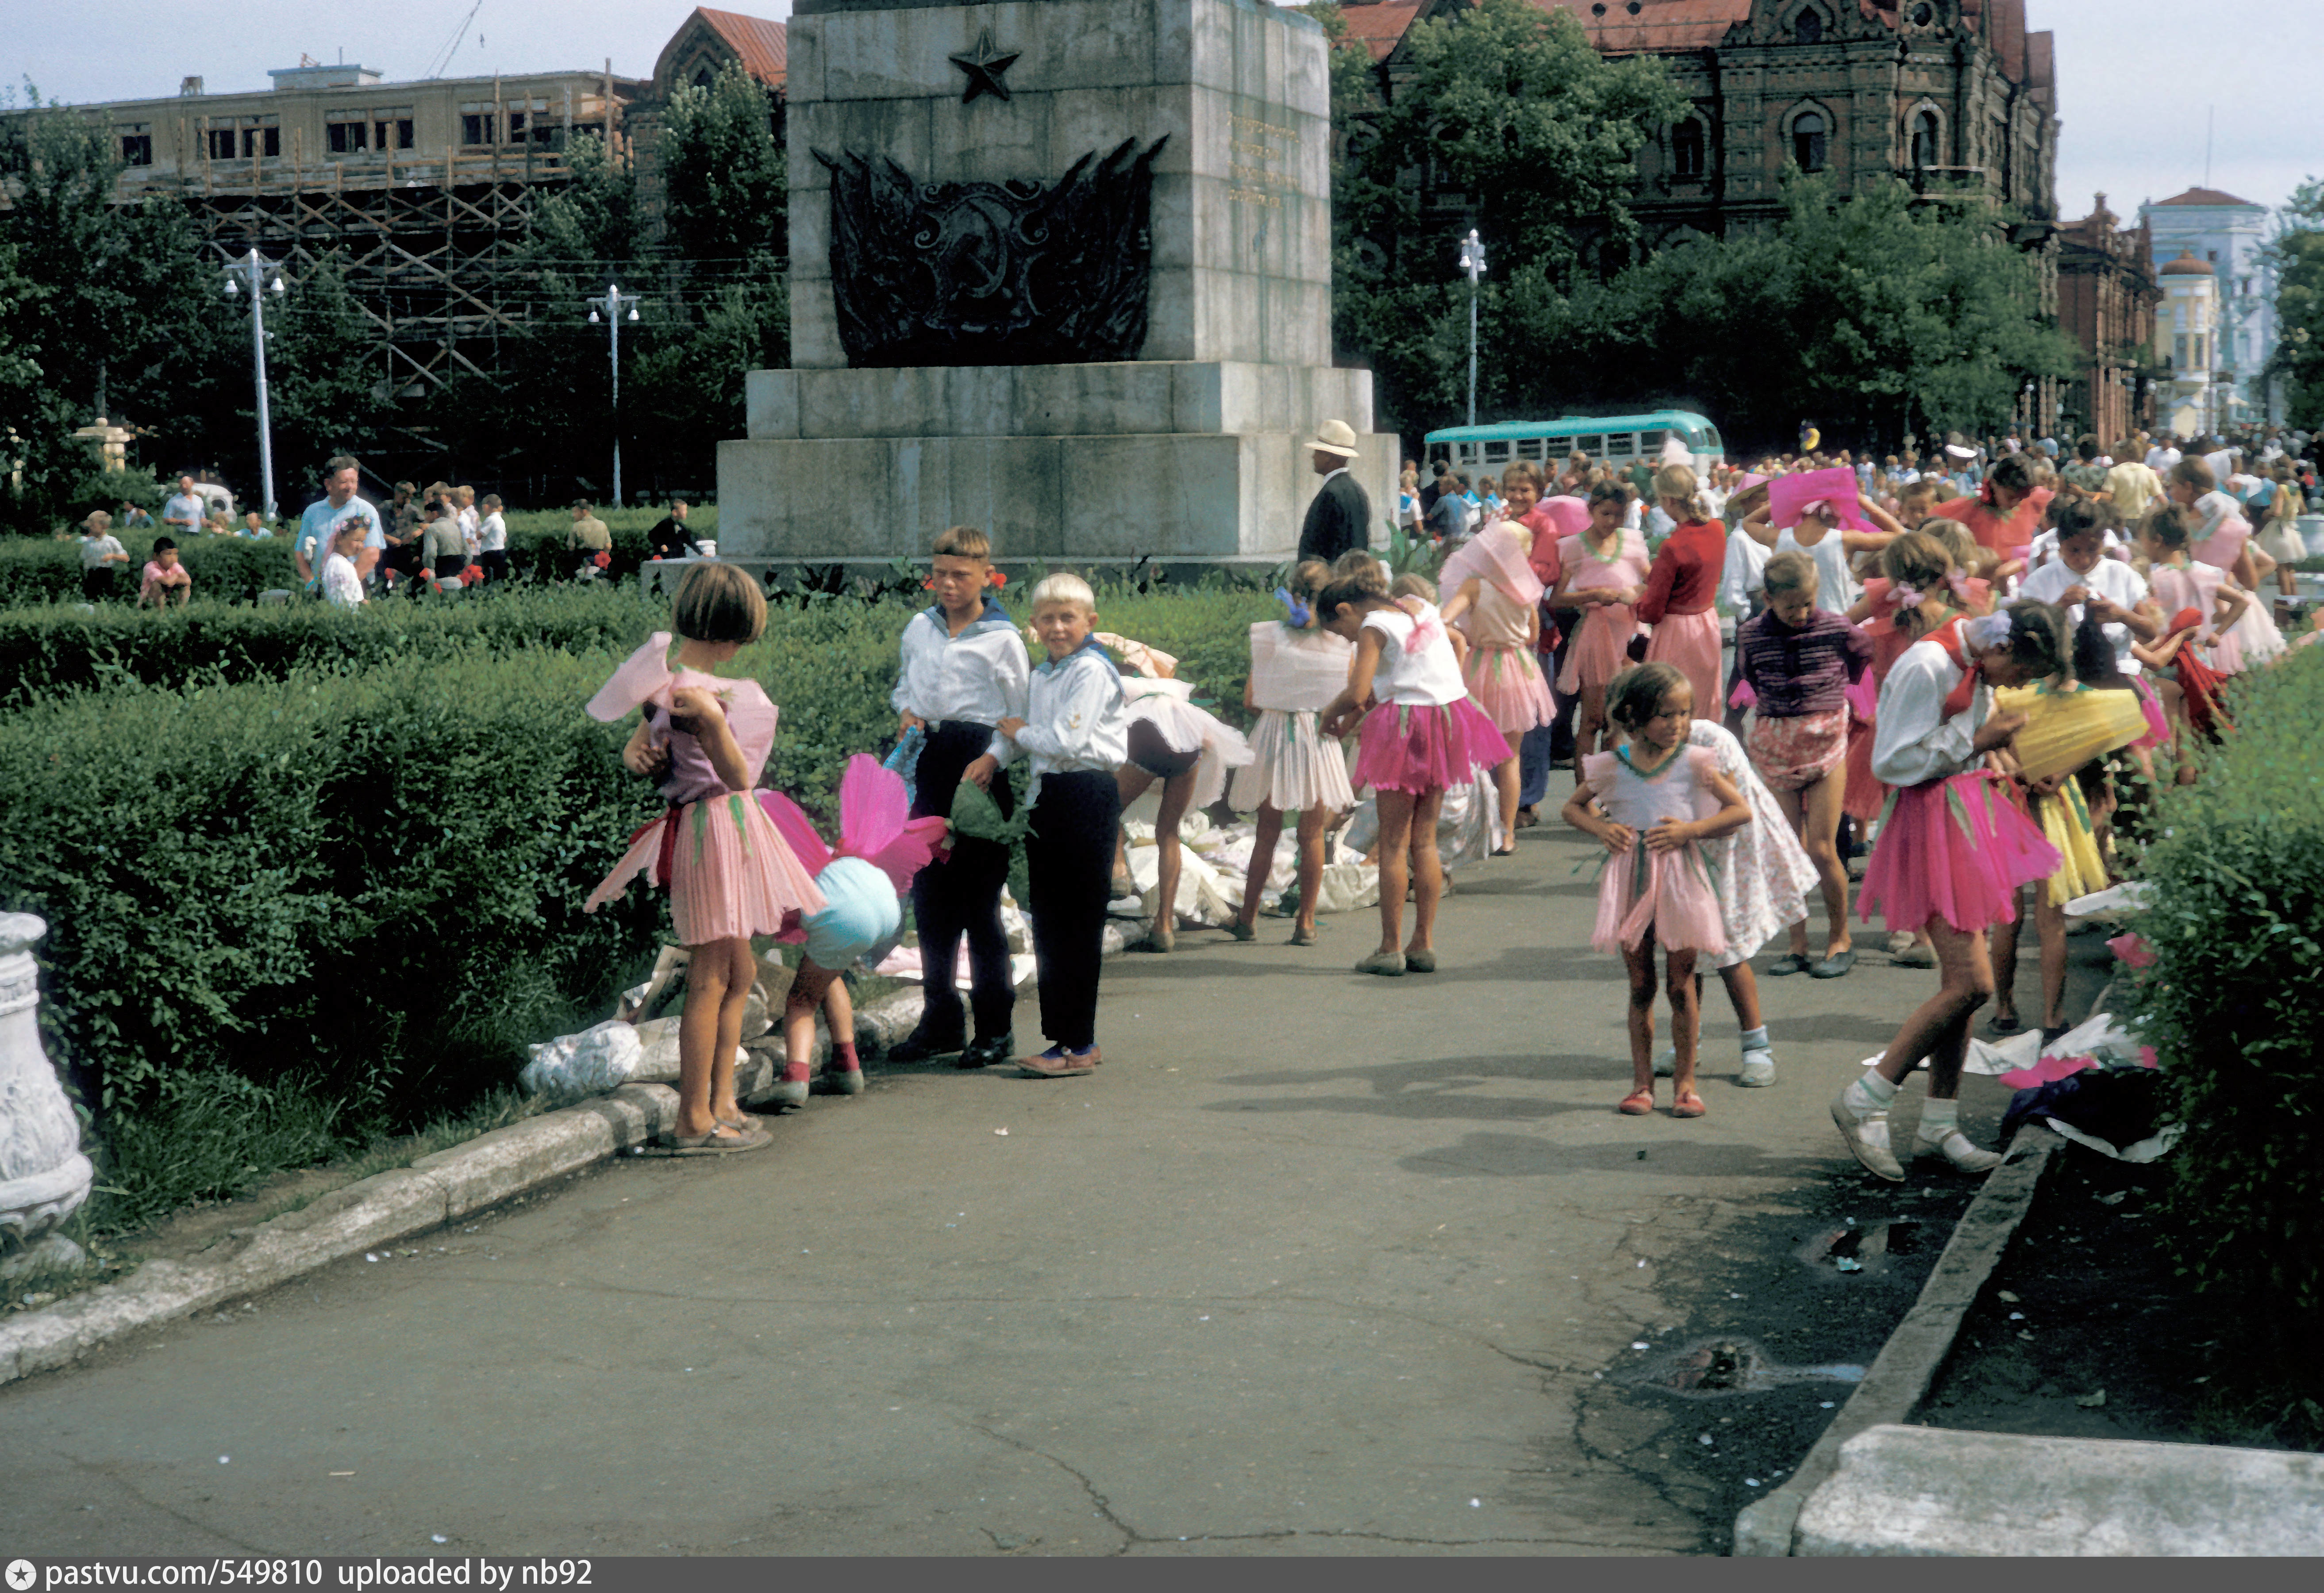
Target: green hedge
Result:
[2237, 930]
[365, 886]
[61, 648]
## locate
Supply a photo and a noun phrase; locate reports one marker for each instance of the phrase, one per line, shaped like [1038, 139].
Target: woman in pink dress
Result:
[1497, 597]
[1602, 575]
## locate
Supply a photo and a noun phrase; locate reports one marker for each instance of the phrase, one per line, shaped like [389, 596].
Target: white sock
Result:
[1871, 1093]
[1939, 1118]
[1756, 1040]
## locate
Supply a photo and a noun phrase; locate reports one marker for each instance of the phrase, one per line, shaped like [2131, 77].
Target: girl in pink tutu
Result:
[1602, 575]
[1296, 669]
[1497, 596]
[2223, 541]
[1681, 588]
[1422, 735]
[1657, 889]
[729, 871]
[1953, 850]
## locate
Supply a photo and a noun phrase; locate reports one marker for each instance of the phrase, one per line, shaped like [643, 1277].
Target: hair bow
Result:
[1959, 584]
[1911, 597]
[1427, 628]
[1992, 630]
[1301, 614]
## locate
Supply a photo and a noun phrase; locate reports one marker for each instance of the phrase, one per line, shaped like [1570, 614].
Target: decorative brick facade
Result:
[2107, 299]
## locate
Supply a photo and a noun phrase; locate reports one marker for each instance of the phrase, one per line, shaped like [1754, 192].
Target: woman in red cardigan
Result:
[1680, 588]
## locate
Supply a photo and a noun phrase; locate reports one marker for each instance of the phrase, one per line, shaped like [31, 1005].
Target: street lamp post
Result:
[1473, 261]
[613, 304]
[264, 277]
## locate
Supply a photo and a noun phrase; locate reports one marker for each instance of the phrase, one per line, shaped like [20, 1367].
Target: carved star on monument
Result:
[984, 65]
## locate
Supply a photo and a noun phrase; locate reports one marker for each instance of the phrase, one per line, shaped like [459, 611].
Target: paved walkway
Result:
[1318, 1262]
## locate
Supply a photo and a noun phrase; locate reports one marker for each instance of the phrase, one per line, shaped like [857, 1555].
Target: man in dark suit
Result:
[1341, 517]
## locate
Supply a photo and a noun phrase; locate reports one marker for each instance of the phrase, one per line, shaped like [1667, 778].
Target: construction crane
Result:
[452, 45]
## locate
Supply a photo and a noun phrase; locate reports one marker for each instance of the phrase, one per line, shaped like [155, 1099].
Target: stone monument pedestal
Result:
[1134, 195]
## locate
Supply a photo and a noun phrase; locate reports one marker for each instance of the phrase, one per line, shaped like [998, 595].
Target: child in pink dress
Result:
[1953, 850]
[1422, 735]
[1657, 889]
[1498, 597]
[729, 871]
[1602, 575]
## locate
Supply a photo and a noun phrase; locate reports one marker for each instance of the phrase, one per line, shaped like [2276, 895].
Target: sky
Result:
[2137, 78]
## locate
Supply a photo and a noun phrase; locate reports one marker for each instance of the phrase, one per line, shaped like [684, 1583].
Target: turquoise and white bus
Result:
[1618, 441]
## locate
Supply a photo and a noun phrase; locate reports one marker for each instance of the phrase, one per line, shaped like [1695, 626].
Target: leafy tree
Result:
[725, 174]
[2299, 254]
[106, 300]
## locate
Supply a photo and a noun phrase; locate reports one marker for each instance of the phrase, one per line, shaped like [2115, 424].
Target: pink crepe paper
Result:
[643, 678]
[874, 825]
[1497, 555]
[2133, 950]
[1788, 495]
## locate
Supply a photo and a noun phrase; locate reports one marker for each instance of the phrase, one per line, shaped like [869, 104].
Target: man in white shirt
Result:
[181, 516]
[491, 539]
[317, 526]
[2086, 580]
[2162, 455]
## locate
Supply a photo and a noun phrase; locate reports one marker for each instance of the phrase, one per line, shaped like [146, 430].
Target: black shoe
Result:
[988, 1053]
[918, 1047]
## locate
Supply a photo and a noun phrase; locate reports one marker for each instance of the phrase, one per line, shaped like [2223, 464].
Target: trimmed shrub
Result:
[229, 569]
[58, 647]
[365, 886]
[2237, 930]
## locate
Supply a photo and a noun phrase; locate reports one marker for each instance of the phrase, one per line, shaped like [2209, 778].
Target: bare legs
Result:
[1405, 851]
[1177, 796]
[1686, 1017]
[1593, 727]
[1505, 786]
[1937, 1028]
[718, 979]
[812, 987]
[1269, 821]
[2050, 924]
[1813, 812]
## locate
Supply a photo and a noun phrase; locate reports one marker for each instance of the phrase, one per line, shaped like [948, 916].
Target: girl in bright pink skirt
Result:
[1497, 596]
[729, 871]
[1952, 850]
[1422, 734]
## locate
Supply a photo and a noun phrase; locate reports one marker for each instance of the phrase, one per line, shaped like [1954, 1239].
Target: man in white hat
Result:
[1341, 517]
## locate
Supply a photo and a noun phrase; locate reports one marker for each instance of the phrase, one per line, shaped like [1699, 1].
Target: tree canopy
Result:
[2299, 252]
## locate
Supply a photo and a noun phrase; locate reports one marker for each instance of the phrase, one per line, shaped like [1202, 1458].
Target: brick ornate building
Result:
[1955, 95]
[2107, 298]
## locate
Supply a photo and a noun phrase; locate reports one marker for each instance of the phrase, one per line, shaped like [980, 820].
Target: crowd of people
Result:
[1957, 672]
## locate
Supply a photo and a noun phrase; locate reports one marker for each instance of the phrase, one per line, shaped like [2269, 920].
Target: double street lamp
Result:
[264, 277]
[613, 304]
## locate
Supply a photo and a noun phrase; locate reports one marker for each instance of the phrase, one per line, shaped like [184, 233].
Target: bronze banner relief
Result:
[992, 273]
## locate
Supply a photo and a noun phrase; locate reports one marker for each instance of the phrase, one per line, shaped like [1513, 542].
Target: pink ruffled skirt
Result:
[1692, 642]
[731, 873]
[1599, 649]
[1670, 893]
[2158, 726]
[1506, 684]
[1954, 849]
[1420, 747]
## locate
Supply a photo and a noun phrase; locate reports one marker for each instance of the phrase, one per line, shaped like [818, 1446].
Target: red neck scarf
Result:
[1948, 636]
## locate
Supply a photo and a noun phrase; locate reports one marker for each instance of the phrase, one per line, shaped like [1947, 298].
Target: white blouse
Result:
[1077, 717]
[1914, 741]
[1431, 676]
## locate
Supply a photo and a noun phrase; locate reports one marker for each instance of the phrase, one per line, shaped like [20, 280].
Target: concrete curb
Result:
[1908, 1362]
[386, 1207]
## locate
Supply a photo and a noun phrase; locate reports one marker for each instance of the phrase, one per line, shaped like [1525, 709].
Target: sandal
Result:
[1302, 937]
[719, 1142]
[1688, 1105]
[1241, 931]
[741, 1122]
[1638, 1103]
[1789, 962]
[2002, 1025]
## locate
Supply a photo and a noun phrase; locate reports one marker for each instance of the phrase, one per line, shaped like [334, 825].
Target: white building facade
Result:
[2231, 235]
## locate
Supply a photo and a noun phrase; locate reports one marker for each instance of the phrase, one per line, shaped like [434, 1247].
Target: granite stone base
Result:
[1096, 500]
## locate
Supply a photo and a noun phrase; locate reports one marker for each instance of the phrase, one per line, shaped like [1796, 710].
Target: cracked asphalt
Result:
[1318, 1263]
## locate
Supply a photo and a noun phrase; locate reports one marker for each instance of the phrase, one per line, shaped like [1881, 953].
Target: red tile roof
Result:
[1382, 23]
[1660, 27]
[2206, 196]
[764, 46]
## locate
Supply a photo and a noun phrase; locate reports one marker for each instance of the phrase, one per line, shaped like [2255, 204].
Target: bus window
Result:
[1592, 445]
[1711, 442]
[1651, 442]
[1532, 448]
[1497, 451]
[1621, 444]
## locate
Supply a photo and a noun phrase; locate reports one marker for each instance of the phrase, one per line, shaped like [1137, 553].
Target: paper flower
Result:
[998, 579]
[2133, 950]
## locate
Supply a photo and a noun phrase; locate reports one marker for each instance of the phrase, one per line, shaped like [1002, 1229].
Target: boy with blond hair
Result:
[965, 670]
[1076, 729]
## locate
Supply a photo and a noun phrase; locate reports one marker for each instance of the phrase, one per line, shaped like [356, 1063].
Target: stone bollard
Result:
[44, 1177]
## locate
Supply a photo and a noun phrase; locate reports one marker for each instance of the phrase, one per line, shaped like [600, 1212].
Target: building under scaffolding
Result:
[422, 191]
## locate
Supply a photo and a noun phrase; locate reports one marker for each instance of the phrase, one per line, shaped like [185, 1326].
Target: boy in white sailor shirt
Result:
[965, 670]
[1076, 731]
